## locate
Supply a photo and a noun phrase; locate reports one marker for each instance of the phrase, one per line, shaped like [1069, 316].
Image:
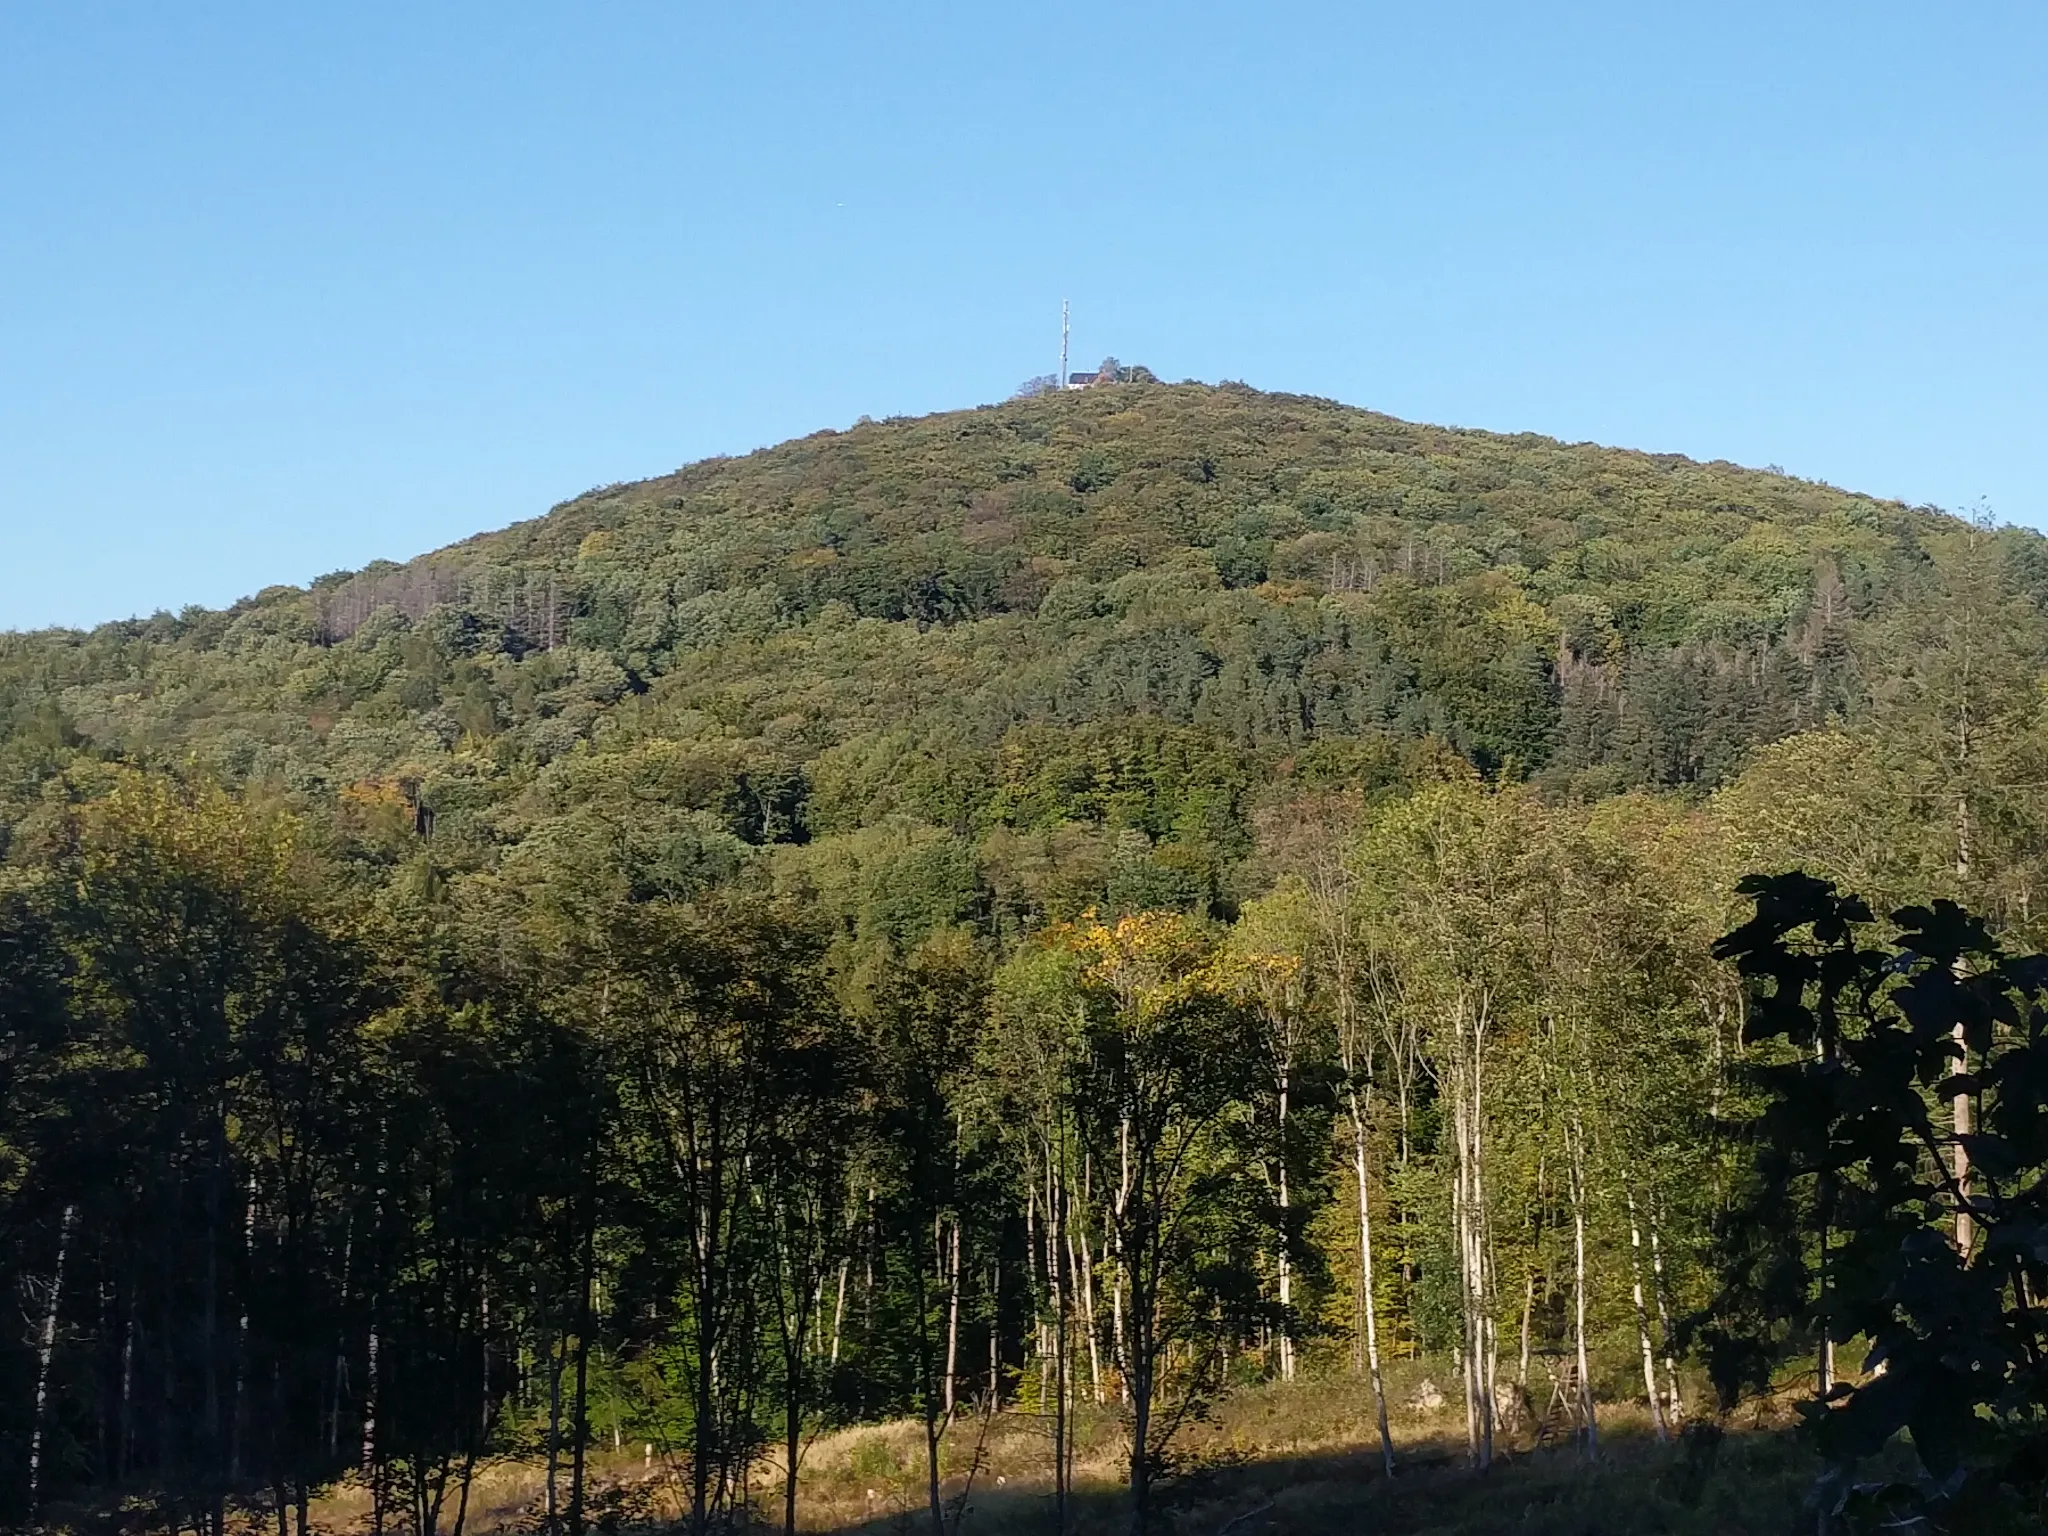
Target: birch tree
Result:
[1262, 965]
[1031, 1057]
[1449, 880]
[1368, 1021]
[1160, 1098]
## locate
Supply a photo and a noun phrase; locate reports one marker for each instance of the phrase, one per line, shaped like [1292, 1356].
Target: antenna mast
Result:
[1063, 343]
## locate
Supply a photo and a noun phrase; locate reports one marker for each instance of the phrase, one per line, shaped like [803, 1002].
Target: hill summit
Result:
[1131, 605]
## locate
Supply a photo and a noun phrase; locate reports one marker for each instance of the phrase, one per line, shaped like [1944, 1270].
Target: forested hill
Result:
[1125, 607]
[1078, 907]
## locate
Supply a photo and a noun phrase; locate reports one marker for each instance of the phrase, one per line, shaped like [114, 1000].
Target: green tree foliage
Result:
[1159, 1106]
[1896, 1196]
[1169, 591]
[1064, 907]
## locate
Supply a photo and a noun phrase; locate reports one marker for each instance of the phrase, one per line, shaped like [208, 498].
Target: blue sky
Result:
[287, 288]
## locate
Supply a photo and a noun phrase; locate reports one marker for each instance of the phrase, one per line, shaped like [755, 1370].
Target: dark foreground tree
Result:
[1896, 1195]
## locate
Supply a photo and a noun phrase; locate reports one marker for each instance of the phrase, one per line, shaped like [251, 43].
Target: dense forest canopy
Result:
[1141, 608]
[1069, 905]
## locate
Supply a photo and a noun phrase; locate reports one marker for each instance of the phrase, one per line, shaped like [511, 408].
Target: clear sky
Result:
[285, 288]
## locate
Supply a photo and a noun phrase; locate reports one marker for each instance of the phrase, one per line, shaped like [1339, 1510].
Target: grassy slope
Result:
[1275, 1459]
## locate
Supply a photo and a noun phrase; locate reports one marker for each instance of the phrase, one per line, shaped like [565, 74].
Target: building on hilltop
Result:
[1111, 372]
[1108, 373]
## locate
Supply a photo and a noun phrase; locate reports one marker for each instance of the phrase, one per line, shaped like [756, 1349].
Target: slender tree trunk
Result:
[1372, 1332]
[1055, 1257]
[579, 1426]
[1480, 1339]
[1482, 1238]
[124, 1428]
[933, 1426]
[1461, 1224]
[483, 1346]
[1528, 1315]
[242, 1338]
[1140, 1396]
[867, 1290]
[1490, 1327]
[1461, 1174]
[1578, 1183]
[1675, 1405]
[839, 1307]
[953, 1320]
[1635, 1275]
[555, 1348]
[795, 1347]
[1825, 1363]
[1286, 1268]
[995, 1332]
[792, 1432]
[372, 1452]
[1123, 1196]
[209, 1334]
[340, 1375]
[371, 1458]
[1082, 1268]
[1524, 1404]
[468, 1476]
[1966, 1223]
[46, 1351]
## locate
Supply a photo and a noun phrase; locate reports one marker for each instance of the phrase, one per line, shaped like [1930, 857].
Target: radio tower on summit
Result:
[1063, 343]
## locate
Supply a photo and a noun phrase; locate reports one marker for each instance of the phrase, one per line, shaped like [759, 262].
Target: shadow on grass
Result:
[1751, 1482]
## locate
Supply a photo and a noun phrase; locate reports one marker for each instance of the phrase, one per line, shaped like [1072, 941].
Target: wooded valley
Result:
[1077, 907]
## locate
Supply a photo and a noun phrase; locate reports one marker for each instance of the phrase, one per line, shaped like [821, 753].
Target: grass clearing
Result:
[1298, 1459]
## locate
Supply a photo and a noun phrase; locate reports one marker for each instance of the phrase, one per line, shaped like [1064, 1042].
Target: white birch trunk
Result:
[241, 1340]
[1966, 1224]
[46, 1352]
[1578, 1173]
[1482, 1244]
[1528, 1313]
[369, 1445]
[1826, 1362]
[1478, 1410]
[1635, 1275]
[1674, 1404]
[1123, 1195]
[1057, 1239]
[839, 1308]
[1081, 1264]
[1372, 1333]
[1286, 1276]
[953, 1319]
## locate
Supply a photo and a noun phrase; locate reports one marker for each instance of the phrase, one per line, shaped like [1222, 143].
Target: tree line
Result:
[323, 1167]
[301, 1185]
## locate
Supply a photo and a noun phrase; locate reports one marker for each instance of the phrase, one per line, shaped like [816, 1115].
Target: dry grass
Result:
[1304, 1459]
[1271, 1460]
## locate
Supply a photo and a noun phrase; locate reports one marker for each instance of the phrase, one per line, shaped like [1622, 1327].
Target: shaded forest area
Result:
[1071, 907]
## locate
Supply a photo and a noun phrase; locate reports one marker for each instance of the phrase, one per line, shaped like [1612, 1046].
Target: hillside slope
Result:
[1138, 607]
